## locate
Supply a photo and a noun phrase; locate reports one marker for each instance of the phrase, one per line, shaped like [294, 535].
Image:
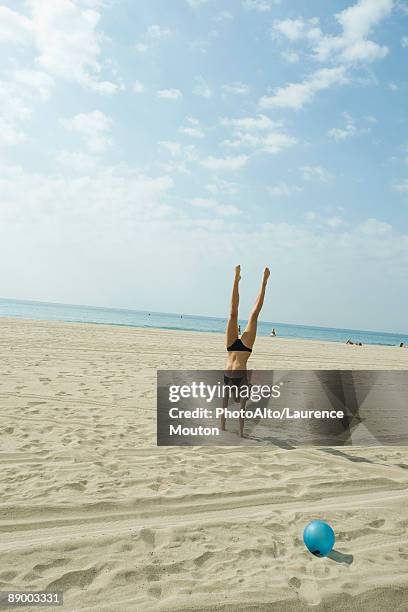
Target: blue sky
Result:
[147, 147]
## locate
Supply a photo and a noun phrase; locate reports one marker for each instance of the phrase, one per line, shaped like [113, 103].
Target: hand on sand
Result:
[266, 274]
[238, 272]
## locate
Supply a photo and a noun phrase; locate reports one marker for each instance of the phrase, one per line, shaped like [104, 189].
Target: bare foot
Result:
[238, 272]
[266, 274]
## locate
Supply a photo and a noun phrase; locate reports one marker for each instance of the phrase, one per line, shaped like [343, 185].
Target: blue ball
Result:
[319, 538]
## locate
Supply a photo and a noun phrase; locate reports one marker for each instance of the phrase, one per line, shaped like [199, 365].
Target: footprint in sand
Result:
[201, 559]
[76, 578]
[43, 567]
[7, 576]
[277, 549]
[148, 537]
[309, 591]
[295, 583]
[155, 591]
[377, 523]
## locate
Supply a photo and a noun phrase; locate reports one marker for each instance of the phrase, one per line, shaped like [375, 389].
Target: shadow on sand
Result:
[339, 557]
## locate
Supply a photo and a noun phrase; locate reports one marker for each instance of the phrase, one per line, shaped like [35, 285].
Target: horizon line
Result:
[120, 308]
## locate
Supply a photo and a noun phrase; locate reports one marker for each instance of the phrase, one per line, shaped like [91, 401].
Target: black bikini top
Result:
[238, 345]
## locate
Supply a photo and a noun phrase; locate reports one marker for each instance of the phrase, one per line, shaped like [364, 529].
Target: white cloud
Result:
[138, 87]
[392, 86]
[244, 132]
[359, 19]
[14, 28]
[169, 94]
[271, 142]
[404, 42]
[37, 81]
[352, 45]
[334, 222]
[297, 29]
[17, 99]
[363, 51]
[224, 210]
[141, 47]
[292, 57]
[225, 188]
[195, 4]
[174, 148]
[68, 42]
[348, 131]
[283, 190]
[259, 122]
[224, 16]
[182, 157]
[156, 31]
[10, 133]
[201, 87]
[194, 132]
[260, 6]
[151, 38]
[203, 44]
[225, 163]
[77, 161]
[311, 216]
[357, 22]
[13, 102]
[93, 199]
[375, 227]
[401, 186]
[296, 95]
[236, 88]
[94, 127]
[194, 129]
[316, 173]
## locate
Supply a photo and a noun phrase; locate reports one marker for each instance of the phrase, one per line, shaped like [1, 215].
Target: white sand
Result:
[89, 505]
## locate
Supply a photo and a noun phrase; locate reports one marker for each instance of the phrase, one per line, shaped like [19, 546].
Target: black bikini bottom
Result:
[237, 381]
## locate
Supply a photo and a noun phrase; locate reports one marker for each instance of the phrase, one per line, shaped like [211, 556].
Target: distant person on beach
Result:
[355, 343]
[273, 332]
[402, 345]
[239, 329]
[239, 349]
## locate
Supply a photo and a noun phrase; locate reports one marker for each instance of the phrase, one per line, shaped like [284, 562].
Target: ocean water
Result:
[159, 320]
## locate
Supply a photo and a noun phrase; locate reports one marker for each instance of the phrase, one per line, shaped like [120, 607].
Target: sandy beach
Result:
[90, 506]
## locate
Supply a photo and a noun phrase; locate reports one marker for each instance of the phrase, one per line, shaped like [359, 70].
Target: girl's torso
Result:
[237, 360]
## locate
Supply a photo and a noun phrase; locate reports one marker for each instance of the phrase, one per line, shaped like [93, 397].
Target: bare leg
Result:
[249, 335]
[243, 403]
[224, 405]
[232, 325]
[242, 419]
